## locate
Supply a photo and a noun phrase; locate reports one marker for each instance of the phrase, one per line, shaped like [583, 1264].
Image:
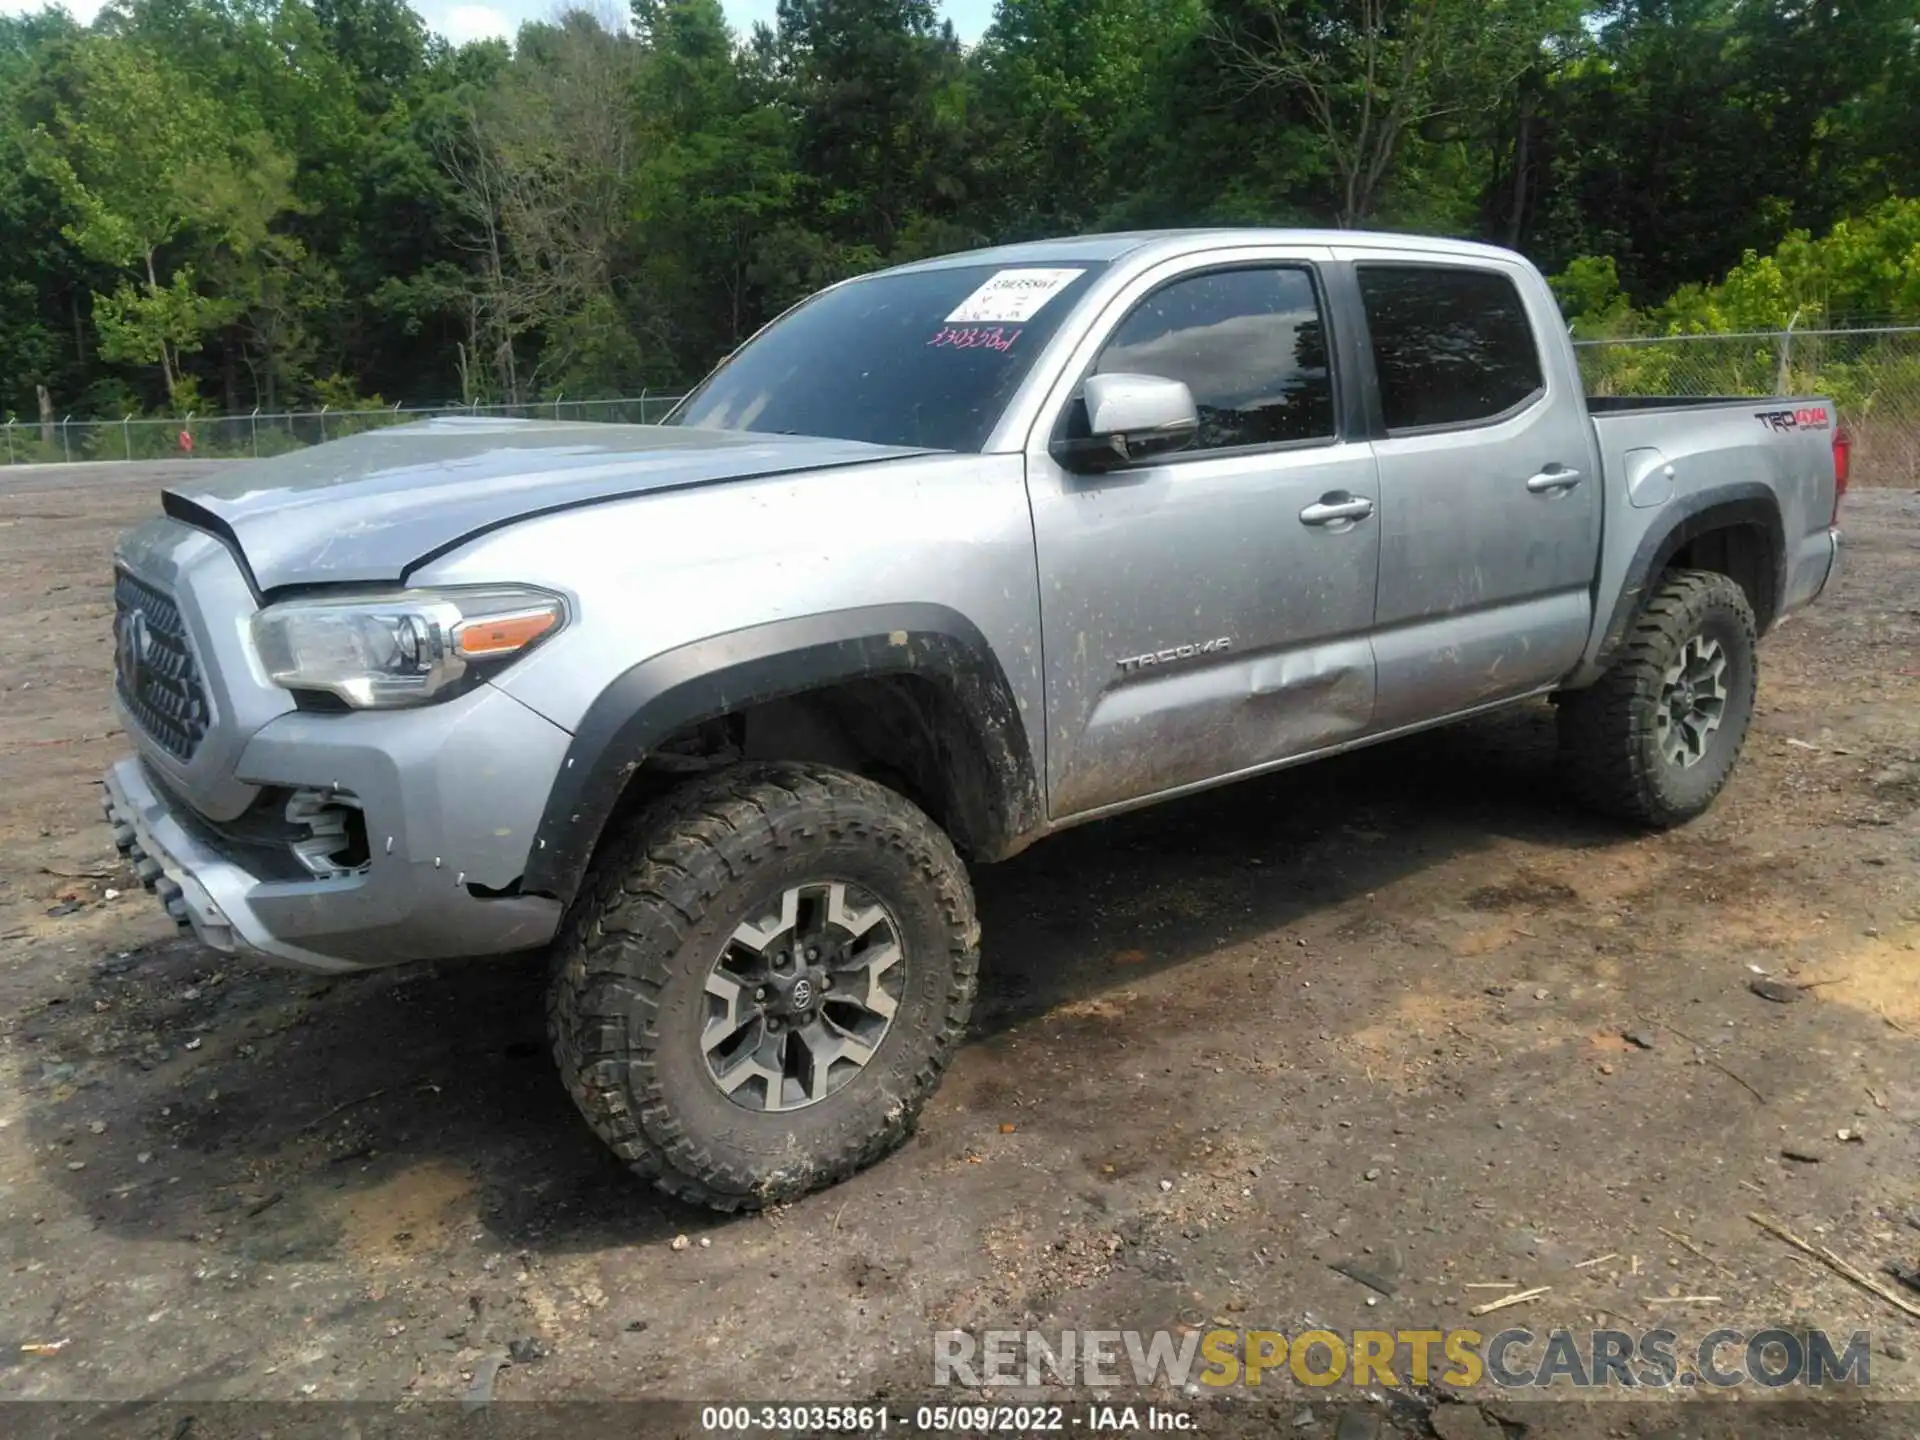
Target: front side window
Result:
[922, 358]
[1250, 344]
[1450, 346]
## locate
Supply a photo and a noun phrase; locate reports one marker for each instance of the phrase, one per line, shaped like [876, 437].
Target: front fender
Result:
[712, 677]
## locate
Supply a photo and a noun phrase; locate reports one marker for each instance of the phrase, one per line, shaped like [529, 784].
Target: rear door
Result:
[1489, 510]
[1202, 614]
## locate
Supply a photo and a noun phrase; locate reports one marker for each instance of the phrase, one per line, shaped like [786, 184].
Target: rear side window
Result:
[1250, 345]
[1451, 346]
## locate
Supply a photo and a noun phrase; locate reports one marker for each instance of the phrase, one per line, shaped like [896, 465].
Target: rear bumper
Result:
[1833, 560]
[1810, 570]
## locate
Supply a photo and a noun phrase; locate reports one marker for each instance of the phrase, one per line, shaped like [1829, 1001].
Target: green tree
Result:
[237, 198]
[42, 278]
[544, 174]
[879, 88]
[158, 322]
[1699, 129]
[715, 190]
[145, 160]
[1370, 78]
[1060, 81]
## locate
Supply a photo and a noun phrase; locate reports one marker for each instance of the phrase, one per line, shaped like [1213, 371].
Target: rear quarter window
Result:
[1451, 345]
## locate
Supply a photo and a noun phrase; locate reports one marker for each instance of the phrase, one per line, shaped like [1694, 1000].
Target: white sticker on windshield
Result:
[1012, 297]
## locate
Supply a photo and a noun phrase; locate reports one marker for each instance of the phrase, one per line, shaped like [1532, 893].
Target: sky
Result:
[464, 20]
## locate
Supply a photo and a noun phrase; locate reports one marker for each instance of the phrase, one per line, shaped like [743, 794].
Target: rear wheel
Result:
[764, 982]
[1656, 738]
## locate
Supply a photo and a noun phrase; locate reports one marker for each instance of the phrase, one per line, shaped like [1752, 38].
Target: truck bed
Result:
[1763, 461]
[1619, 404]
[1658, 448]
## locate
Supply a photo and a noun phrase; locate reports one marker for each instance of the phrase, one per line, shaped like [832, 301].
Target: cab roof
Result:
[1160, 244]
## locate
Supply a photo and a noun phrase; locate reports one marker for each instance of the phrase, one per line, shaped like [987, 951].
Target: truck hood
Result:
[375, 506]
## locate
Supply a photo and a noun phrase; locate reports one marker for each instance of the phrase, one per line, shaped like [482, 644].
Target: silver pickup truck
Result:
[943, 560]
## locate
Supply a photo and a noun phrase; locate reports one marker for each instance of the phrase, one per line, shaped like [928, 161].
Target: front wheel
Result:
[1655, 739]
[764, 981]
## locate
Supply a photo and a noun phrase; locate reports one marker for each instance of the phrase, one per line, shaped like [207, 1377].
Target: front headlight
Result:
[379, 652]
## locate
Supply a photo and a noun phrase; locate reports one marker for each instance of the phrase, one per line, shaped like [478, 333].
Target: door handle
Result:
[1329, 509]
[1554, 477]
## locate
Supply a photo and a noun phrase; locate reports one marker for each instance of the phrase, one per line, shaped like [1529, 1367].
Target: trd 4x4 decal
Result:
[1811, 419]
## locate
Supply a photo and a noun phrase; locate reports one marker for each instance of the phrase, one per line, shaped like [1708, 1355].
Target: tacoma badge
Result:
[1176, 652]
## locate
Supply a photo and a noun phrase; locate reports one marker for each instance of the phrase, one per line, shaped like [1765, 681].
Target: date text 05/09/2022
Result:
[978, 1419]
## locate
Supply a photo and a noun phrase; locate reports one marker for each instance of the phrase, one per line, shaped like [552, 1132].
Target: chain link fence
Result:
[1873, 376]
[233, 437]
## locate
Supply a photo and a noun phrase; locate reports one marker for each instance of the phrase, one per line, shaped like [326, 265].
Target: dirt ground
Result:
[1373, 1009]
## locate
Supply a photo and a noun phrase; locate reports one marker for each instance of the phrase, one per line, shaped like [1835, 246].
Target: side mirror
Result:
[1129, 418]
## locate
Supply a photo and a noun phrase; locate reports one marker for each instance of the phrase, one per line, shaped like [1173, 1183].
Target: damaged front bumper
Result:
[393, 907]
[189, 877]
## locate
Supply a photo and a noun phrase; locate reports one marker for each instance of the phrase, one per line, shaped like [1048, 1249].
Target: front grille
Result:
[154, 669]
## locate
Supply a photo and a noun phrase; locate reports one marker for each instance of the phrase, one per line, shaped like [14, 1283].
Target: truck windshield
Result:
[926, 358]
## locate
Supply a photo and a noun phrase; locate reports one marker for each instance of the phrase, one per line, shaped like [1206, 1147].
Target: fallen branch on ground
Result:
[1505, 1300]
[1700, 1045]
[1836, 1264]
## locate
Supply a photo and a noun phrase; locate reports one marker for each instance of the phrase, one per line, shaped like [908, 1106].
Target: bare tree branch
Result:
[1367, 73]
[544, 177]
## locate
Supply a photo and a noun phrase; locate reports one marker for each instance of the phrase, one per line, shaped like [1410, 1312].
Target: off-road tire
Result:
[1610, 751]
[666, 891]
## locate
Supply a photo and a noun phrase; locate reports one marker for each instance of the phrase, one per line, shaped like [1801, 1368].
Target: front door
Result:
[1207, 613]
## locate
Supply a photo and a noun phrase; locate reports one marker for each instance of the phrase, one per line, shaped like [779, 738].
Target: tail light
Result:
[1842, 469]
